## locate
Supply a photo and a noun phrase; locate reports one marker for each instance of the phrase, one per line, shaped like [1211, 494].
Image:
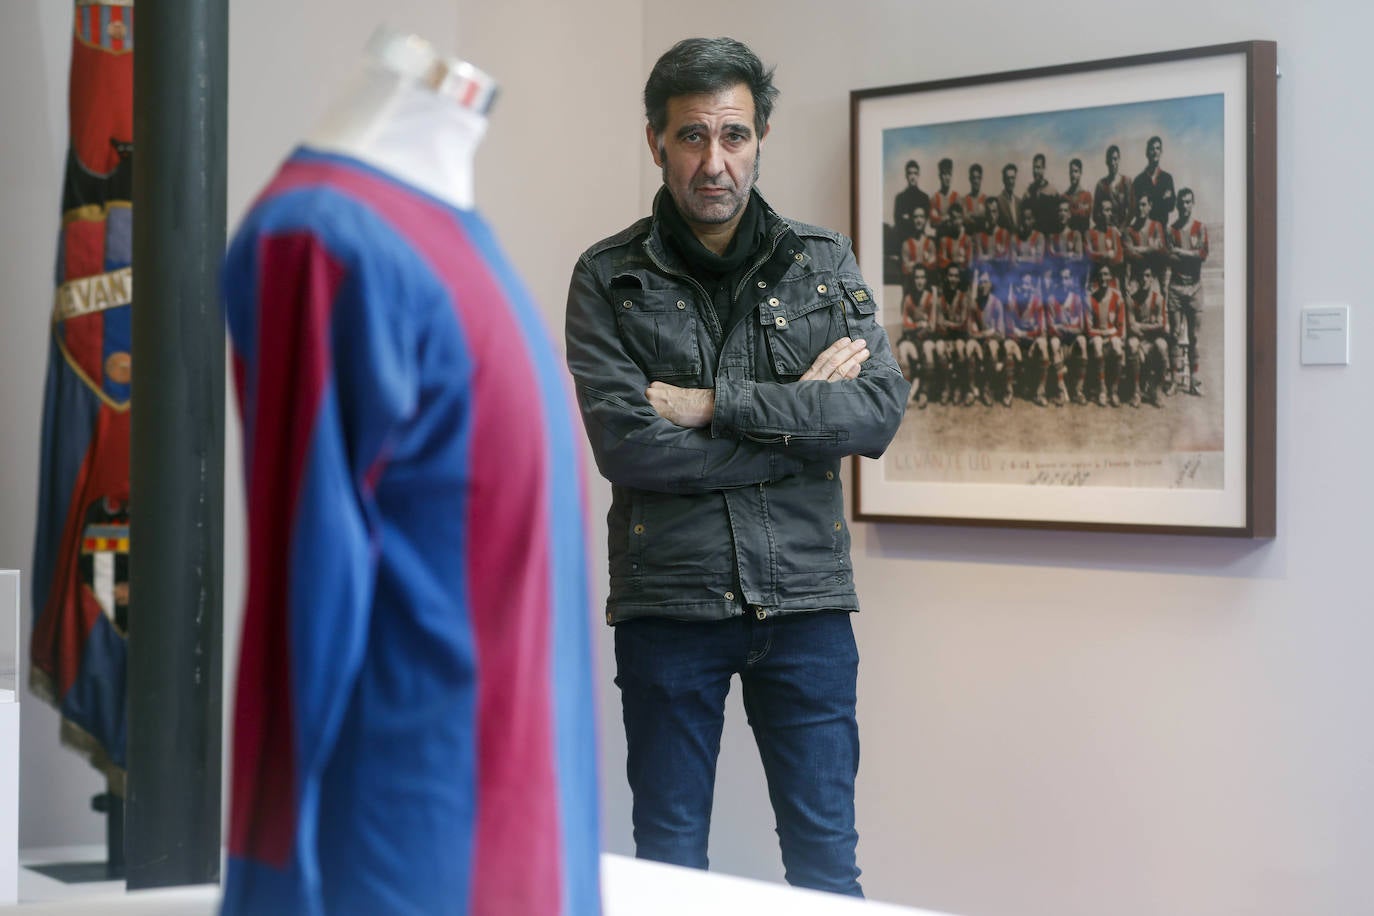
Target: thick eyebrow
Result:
[701, 127]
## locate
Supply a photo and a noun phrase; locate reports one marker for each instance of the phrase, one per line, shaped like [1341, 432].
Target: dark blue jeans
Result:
[798, 674]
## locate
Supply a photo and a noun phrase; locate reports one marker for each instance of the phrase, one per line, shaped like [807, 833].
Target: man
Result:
[1028, 248]
[952, 329]
[1147, 340]
[1041, 197]
[1155, 183]
[1025, 330]
[719, 404]
[1187, 252]
[920, 248]
[1114, 187]
[956, 246]
[1106, 330]
[993, 248]
[1104, 244]
[975, 201]
[908, 199]
[1008, 206]
[916, 349]
[1143, 241]
[987, 346]
[943, 199]
[1066, 315]
[1080, 199]
[1066, 244]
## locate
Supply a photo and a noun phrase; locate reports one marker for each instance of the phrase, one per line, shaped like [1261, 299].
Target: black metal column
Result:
[172, 821]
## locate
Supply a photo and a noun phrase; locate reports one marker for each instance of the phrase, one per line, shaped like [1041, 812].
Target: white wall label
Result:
[1326, 335]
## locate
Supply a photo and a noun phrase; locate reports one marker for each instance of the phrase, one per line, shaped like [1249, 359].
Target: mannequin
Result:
[414, 719]
[414, 114]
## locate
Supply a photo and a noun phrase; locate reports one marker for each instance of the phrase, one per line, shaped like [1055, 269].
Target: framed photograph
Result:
[1075, 267]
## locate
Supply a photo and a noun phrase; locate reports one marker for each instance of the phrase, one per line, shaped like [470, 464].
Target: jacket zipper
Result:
[719, 332]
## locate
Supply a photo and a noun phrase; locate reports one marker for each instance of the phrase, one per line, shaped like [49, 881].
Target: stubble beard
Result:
[710, 213]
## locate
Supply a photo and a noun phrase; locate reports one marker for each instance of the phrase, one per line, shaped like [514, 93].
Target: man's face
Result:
[1104, 278]
[1153, 150]
[1185, 205]
[952, 278]
[918, 277]
[918, 219]
[1063, 211]
[1038, 168]
[946, 177]
[1142, 206]
[1075, 173]
[1027, 220]
[1009, 179]
[994, 211]
[975, 179]
[1113, 160]
[913, 175]
[1066, 278]
[956, 221]
[709, 154]
[1147, 278]
[1106, 210]
[984, 284]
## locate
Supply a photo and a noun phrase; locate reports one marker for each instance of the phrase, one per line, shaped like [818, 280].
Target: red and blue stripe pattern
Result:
[414, 725]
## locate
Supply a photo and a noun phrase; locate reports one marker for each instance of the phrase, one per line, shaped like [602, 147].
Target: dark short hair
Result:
[1076, 162]
[1154, 139]
[976, 167]
[1113, 149]
[1038, 157]
[707, 65]
[946, 165]
[912, 164]
[1009, 167]
[1188, 191]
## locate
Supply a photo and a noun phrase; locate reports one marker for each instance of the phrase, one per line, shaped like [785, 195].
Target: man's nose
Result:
[714, 162]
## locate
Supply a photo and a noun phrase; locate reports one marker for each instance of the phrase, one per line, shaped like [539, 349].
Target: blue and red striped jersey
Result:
[414, 726]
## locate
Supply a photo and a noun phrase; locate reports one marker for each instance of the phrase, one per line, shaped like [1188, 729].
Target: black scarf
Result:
[717, 272]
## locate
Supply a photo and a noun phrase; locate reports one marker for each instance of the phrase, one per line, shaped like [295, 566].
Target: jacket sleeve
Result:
[817, 419]
[632, 444]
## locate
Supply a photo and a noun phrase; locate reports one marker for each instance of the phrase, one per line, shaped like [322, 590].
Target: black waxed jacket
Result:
[747, 514]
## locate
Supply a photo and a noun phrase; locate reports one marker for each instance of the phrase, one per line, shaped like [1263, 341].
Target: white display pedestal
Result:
[9, 736]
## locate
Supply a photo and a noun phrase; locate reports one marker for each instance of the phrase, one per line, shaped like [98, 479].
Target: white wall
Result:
[1055, 723]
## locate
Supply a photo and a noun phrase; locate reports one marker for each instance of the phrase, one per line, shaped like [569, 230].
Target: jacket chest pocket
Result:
[659, 330]
[799, 320]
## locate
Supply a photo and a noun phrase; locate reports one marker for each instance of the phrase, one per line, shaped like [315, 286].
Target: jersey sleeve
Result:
[325, 369]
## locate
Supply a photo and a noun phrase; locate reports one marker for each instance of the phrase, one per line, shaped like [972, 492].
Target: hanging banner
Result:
[80, 566]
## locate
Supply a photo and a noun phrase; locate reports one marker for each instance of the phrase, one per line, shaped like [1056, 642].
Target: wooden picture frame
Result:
[1003, 438]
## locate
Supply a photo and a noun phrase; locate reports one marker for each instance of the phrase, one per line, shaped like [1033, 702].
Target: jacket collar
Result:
[654, 243]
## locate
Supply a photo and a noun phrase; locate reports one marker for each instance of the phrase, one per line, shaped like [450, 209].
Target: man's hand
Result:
[694, 407]
[839, 361]
[689, 407]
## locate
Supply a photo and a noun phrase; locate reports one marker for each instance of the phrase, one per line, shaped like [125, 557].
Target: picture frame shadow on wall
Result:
[1076, 270]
